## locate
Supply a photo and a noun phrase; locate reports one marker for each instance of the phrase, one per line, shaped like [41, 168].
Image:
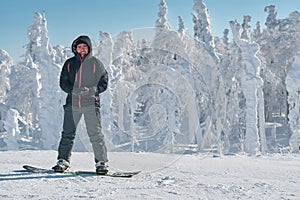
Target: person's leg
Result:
[71, 119]
[94, 129]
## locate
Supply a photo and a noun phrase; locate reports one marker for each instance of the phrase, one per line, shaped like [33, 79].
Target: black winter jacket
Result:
[78, 73]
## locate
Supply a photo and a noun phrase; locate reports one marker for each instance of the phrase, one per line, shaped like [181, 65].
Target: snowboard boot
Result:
[101, 168]
[61, 165]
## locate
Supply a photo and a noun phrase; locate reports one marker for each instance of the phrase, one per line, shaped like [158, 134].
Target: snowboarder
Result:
[83, 78]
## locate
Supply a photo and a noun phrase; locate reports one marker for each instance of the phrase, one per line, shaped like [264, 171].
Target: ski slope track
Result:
[163, 176]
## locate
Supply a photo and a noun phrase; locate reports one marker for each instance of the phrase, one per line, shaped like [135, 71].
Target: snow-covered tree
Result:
[103, 49]
[61, 53]
[222, 43]
[5, 68]
[246, 33]
[121, 69]
[257, 31]
[25, 86]
[162, 22]
[38, 47]
[51, 96]
[293, 83]
[225, 36]
[251, 85]
[202, 27]
[278, 47]
[293, 89]
[164, 37]
[39, 73]
[271, 21]
[12, 127]
[181, 28]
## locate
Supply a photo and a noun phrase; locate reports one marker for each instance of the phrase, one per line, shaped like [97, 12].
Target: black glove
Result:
[81, 91]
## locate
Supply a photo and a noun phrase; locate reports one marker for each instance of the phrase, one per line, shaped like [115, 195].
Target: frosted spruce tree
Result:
[165, 38]
[181, 28]
[183, 34]
[12, 128]
[246, 28]
[171, 50]
[103, 51]
[6, 63]
[162, 21]
[24, 82]
[202, 27]
[251, 86]
[211, 120]
[49, 95]
[221, 44]
[6, 132]
[257, 31]
[292, 84]
[61, 53]
[284, 35]
[121, 68]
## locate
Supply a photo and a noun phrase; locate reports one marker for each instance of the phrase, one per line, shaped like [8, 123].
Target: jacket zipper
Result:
[79, 84]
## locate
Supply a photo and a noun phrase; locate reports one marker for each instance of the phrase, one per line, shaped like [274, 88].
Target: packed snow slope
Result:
[164, 176]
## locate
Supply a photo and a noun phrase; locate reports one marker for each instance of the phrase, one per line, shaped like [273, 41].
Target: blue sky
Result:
[69, 18]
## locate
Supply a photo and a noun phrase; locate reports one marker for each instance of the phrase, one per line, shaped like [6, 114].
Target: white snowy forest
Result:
[171, 90]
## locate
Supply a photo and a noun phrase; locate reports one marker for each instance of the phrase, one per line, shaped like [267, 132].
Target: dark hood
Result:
[82, 39]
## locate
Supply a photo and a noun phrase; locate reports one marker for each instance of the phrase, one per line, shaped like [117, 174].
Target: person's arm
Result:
[64, 81]
[103, 81]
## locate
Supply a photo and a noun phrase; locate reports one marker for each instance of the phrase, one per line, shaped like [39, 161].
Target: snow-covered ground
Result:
[164, 177]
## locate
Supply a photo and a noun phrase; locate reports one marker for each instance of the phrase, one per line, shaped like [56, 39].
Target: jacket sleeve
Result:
[64, 81]
[103, 81]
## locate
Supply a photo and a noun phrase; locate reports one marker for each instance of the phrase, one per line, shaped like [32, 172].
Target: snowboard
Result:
[29, 168]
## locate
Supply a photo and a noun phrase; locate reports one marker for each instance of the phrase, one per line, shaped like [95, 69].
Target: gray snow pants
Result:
[92, 118]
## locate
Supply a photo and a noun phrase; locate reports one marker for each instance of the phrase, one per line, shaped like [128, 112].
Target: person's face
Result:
[82, 49]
